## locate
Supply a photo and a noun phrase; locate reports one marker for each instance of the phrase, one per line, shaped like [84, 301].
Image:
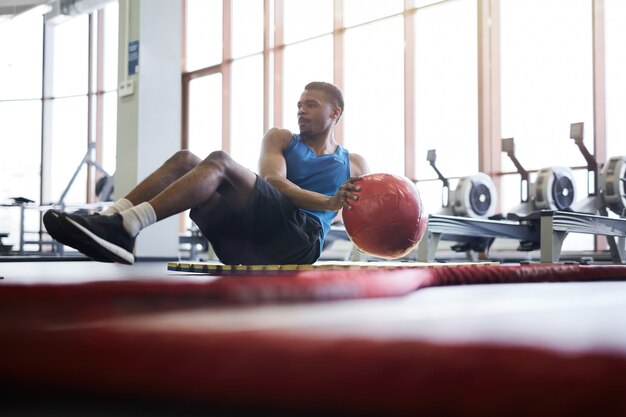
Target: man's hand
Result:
[345, 194]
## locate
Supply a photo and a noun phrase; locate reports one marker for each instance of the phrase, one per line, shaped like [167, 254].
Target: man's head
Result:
[320, 107]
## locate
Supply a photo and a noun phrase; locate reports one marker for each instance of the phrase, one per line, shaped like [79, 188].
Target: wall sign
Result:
[133, 57]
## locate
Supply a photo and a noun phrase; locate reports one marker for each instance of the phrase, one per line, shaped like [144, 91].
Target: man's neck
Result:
[322, 144]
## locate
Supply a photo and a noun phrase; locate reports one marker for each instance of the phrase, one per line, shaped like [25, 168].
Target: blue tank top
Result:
[323, 174]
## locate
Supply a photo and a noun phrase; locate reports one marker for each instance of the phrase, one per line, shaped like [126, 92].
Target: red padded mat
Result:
[23, 302]
[83, 338]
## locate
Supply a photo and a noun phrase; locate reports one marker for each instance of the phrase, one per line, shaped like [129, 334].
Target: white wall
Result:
[149, 120]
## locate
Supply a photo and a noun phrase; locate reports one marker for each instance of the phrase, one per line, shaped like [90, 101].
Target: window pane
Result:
[69, 51]
[430, 193]
[68, 145]
[204, 34]
[510, 195]
[615, 77]
[307, 18]
[20, 140]
[360, 11]
[374, 94]
[205, 115]
[546, 79]
[20, 165]
[21, 57]
[446, 113]
[247, 111]
[247, 27]
[304, 62]
[111, 23]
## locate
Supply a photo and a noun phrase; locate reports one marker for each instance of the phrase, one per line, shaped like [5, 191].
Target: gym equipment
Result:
[106, 187]
[553, 188]
[546, 214]
[4, 249]
[612, 182]
[608, 187]
[473, 235]
[553, 201]
[556, 225]
[388, 219]
[474, 196]
[21, 203]
[593, 203]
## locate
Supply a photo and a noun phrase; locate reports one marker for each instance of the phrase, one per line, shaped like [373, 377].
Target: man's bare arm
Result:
[358, 165]
[273, 169]
[358, 168]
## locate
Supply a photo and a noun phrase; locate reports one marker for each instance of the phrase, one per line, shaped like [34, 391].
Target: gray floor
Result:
[79, 271]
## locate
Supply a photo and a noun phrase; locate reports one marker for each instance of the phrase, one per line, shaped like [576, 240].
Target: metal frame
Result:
[556, 225]
[547, 229]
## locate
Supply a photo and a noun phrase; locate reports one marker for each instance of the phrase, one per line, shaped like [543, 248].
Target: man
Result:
[280, 216]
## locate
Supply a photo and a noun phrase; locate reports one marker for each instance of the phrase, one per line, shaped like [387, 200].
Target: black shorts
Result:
[270, 231]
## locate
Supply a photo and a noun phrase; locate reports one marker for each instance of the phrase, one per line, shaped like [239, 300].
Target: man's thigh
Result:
[270, 230]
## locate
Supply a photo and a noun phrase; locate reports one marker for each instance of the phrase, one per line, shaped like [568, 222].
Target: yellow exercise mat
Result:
[216, 268]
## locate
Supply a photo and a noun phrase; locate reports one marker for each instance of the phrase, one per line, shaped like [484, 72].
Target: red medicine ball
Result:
[387, 220]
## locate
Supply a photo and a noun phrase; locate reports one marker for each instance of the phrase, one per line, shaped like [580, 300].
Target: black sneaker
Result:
[52, 222]
[102, 238]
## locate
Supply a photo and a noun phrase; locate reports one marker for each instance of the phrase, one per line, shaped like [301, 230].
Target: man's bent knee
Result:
[218, 157]
[185, 159]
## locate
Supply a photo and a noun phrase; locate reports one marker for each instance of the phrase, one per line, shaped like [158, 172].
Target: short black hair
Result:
[332, 91]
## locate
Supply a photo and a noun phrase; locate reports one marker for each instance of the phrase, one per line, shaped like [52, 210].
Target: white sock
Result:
[117, 207]
[138, 217]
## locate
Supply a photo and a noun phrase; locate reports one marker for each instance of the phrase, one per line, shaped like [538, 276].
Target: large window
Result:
[374, 94]
[446, 91]
[66, 105]
[304, 62]
[360, 46]
[67, 134]
[50, 109]
[20, 119]
[247, 28]
[547, 80]
[547, 84]
[204, 34]
[247, 110]
[205, 114]
[356, 12]
[318, 15]
[20, 72]
[426, 74]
